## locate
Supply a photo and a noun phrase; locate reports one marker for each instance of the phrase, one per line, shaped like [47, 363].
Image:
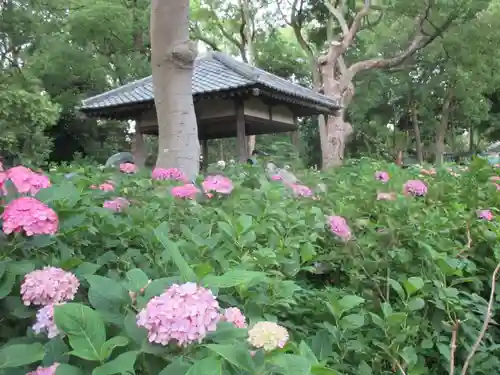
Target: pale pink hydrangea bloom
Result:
[268, 335]
[184, 313]
[497, 186]
[386, 196]
[382, 176]
[235, 316]
[415, 187]
[168, 174]
[26, 181]
[301, 190]
[45, 322]
[128, 168]
[276, 177]
[117, 204]
[1, 166]
[51, 370]
[188, 191]
[338, 226]
[48, 286]
[29, 215]
[485, 215]
[218, 184]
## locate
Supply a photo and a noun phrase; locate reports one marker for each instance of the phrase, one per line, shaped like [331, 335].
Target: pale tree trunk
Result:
[172, 58]
[416, 130]
[337, 78]
[442, 127]
[247, 48]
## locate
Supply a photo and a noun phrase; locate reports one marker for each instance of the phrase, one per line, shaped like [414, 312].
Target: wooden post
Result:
[204, 149]
[241, 140]
[138, 146]
[294, 134]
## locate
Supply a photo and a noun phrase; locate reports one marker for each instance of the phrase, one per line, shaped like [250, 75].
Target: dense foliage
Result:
[363, 282]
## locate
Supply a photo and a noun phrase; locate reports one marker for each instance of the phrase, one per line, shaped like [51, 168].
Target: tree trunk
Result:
[416, 130]
[172, 57]
[442, 127]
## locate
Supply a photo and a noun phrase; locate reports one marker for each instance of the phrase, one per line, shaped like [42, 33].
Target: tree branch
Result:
[453, 346]
[486, 322]
[336, 11]
[419, 41]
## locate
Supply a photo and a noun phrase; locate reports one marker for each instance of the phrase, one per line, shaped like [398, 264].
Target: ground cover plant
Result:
[369, 269]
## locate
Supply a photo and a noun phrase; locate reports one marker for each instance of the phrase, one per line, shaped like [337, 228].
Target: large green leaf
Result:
[206, 366]
[84, 328]
[123, 364]
[106, 294]
[233, 278]
[236, 354]
[18, 355]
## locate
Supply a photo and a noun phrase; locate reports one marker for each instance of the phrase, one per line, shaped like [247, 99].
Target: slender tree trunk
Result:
[172, 57]
[416, 130]
[472, 148]
[442, 127]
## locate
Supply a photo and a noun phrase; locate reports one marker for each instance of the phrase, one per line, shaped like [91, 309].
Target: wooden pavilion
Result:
[231, 98]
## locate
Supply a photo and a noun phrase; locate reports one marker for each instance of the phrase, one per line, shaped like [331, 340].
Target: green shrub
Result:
[416, 273]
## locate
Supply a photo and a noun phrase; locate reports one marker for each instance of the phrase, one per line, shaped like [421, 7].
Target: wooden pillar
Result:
[294, 134]
[139, 147]
[241, 139]
[204, 150]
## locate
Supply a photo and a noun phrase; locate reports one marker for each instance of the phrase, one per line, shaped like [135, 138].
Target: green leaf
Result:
[353, 321]
[137, 334]
[84, 328]
[291, 364]
[320, 370]
[172, 250]
[322, 344]
[64, 369]
[55, 351]
[106, 294]
[233, 278]
[398, 288]
[236, 354]
[413, 285]
[409, 355]
[364, 369]
[206, 366]
[85, 269]
[244, 223]
[307, 353]
[158, 286]
[177, 367]
[18, 355]
[7, 283]
[136, 280]
[349, 302]
[416, 304]
[123, 364]
[111, 344]
[228, 333]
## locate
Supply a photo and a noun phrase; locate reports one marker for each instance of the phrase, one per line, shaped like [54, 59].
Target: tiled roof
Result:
[213, 72]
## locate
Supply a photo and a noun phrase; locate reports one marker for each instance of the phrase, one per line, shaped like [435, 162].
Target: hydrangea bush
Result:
[369, 269]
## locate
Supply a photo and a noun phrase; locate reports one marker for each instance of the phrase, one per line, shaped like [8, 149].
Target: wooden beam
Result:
[241, 141]
[294, 134]
[204, 149]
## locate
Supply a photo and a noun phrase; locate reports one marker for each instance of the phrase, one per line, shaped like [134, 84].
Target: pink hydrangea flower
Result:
[117, 204]
[1, 166]
[268, 335]
[276, 177]
[235, 316]
[29, 215]
[107, 186]
[48, 286]
[382, 176]
[45, 322]
[301, 190]
[184, 313]
[386, 196]
[188, 191]
[168, 174]
[416, 188]
[3, 180]
[128, 168]
[485, 215]
[218, 184]
[51, 370]
[26, 181]
[338, 226]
